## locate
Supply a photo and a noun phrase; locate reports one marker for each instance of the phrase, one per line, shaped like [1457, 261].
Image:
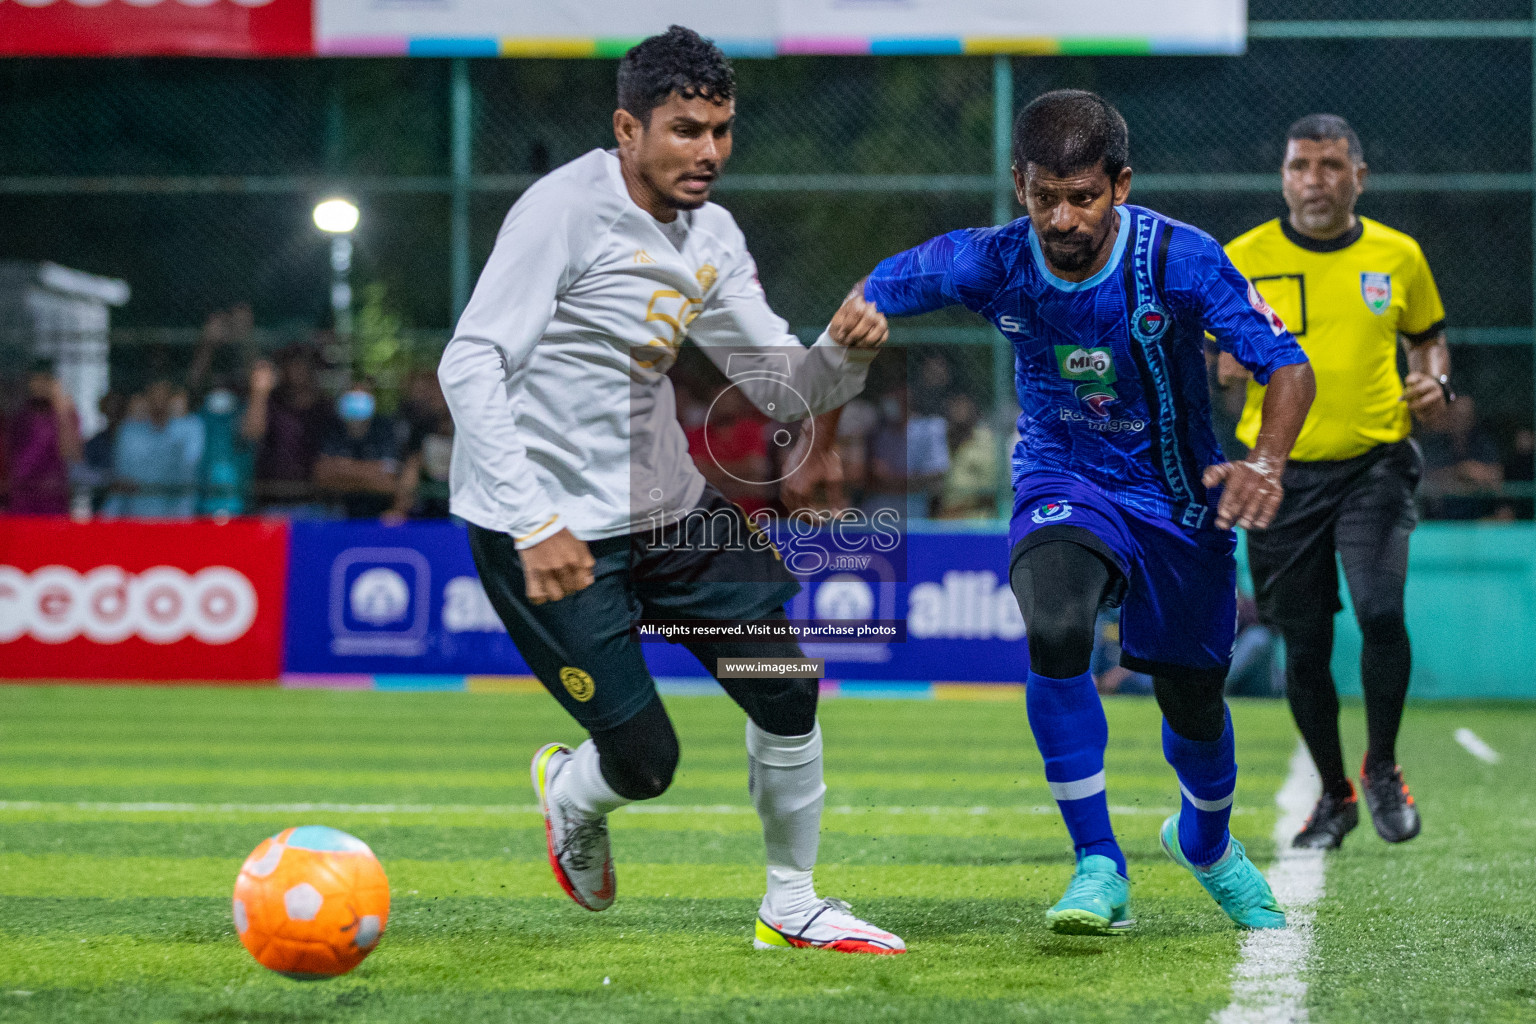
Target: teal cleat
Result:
[1233, 882]
[1097, 901]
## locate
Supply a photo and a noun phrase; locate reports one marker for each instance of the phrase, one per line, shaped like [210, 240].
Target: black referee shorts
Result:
[1360, 509]
[580, 647]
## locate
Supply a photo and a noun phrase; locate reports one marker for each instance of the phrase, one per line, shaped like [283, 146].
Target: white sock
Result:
[785, 780]
[789, 891]
[580, 785]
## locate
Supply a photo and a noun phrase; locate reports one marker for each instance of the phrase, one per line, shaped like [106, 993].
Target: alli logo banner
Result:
[1376, 289]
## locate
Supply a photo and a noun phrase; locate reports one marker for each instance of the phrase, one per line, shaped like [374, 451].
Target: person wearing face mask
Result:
[225, 473]
[360, 456]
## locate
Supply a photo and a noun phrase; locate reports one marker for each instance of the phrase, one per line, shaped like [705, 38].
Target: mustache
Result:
[1066, 239]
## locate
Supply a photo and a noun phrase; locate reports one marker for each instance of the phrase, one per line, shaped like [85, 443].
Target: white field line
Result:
[1268, 983]
[1473, 744]
[150, 807]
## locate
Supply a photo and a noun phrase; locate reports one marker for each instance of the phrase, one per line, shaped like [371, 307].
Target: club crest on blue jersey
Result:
[1376, 289]
[1052, 512]
[1150, 322]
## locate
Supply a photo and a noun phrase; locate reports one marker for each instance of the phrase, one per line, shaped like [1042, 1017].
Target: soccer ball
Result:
[311, 902]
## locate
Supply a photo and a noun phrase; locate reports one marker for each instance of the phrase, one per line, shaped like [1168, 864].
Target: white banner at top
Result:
[604, 28]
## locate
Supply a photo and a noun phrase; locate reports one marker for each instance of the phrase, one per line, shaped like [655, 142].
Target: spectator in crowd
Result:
[218, 354]
[970, 487]
[1519, 465]
[360, 456]
[94, 472]
[423, 490]
[155, 457]
[1256, 670]
[287, 417]
[909, 456]
[729, 445]
[1461, 465]
[855, 428]
[225, 475]
[43, 439]
[1109, 676]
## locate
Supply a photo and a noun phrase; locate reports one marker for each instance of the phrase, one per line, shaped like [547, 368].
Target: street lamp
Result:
[338, 218]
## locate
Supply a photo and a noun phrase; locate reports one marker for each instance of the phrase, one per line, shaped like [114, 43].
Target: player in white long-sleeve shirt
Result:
[586, 512]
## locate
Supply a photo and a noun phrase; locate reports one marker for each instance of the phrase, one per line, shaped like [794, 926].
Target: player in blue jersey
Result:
[1121, 494]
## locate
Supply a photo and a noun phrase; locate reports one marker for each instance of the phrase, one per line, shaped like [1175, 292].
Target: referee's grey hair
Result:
[1327, 128]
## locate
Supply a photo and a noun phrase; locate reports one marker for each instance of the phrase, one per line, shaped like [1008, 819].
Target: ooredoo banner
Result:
[141, 600]
[120, 28]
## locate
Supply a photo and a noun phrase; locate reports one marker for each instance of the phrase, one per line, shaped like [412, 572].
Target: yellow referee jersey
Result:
[1346, 300]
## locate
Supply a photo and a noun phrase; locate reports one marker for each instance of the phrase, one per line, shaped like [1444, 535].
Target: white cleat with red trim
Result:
[828, 924]
[578, 846]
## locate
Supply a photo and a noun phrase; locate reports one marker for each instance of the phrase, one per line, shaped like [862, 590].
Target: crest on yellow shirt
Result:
[1376, 289]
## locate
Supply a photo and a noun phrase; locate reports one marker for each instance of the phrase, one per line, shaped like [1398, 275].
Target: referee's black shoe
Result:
[1332, 819]
[1392, 808]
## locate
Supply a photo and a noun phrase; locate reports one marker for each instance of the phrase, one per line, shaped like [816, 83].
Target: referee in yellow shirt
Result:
[1348, 288]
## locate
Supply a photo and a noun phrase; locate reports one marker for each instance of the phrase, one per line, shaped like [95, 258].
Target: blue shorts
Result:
[1177, 587]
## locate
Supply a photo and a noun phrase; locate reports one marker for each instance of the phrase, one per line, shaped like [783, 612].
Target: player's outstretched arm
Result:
[1252, 487]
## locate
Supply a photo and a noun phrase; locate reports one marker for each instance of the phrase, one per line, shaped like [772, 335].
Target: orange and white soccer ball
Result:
[311, 902]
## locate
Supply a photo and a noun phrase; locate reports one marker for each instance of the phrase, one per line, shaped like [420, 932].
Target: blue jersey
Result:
[1111, 371]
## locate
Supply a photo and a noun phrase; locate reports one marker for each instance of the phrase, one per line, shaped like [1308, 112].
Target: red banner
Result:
[141, 601]
[146, 28]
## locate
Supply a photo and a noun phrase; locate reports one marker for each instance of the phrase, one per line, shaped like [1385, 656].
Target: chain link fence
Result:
[193, 181]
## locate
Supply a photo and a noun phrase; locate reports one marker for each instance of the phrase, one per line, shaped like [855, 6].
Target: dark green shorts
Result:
[581, 647]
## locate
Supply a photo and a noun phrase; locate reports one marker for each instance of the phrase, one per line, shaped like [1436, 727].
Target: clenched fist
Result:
[858, 324]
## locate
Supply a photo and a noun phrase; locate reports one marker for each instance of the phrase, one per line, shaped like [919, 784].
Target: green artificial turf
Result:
[939, 826]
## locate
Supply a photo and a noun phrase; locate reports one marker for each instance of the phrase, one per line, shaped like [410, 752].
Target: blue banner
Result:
[372, 600]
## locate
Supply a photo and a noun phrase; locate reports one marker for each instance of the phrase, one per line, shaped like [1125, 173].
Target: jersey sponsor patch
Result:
[1376, 289]
[1094, 368]
[1052, 512]
[1257, 302]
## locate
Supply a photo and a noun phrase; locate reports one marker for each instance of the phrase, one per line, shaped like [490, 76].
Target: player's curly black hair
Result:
[1071, 130]
[679, 60]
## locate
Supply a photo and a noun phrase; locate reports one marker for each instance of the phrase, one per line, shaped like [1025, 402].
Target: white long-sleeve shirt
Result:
[556, 374]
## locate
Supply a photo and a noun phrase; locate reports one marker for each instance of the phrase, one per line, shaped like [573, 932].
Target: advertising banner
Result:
[141, 600]
[366, 599]
[606, 28]
[146, 28]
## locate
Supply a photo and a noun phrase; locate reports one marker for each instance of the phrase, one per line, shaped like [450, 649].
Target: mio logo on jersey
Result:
[1095, 369]
[1376, 289]
[1150, 322]
[1052, 512]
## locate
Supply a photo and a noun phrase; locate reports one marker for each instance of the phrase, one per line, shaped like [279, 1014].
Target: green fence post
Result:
[461, 129]
[1002, 213]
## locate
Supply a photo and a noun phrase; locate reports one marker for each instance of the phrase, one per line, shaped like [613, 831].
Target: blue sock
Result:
[1068, 721]
[1207, 776]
